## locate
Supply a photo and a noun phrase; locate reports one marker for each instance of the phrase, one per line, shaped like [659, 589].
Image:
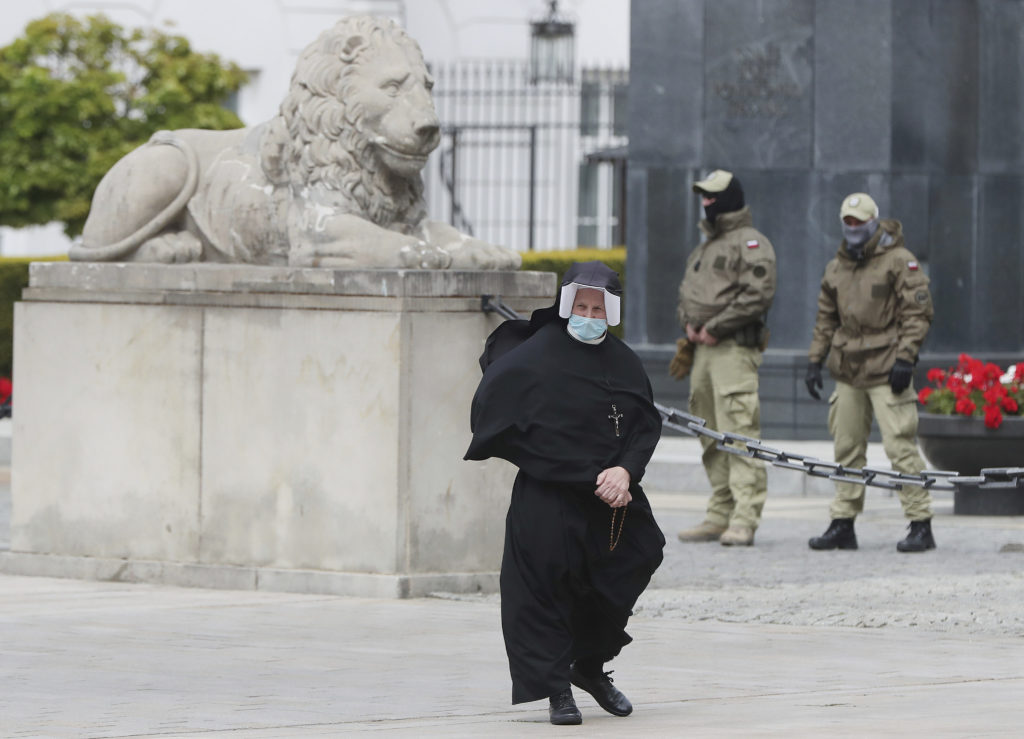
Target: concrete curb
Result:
[222, 577]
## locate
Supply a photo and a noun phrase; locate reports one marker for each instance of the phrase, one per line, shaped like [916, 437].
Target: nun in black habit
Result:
[571, 406]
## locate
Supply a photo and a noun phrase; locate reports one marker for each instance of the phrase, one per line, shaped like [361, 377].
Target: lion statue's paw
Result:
[170, 249]
[475, 254]
[424, 256]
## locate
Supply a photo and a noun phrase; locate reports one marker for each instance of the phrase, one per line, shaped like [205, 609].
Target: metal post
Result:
[621, 167]
[451, 190]
[533, 183]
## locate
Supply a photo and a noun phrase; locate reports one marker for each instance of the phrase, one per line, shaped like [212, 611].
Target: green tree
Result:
[77, 94]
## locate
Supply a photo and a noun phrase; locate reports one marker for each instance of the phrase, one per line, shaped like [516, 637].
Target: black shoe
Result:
[600, 686]
[919, 539]
[563, 710]
[838, 535]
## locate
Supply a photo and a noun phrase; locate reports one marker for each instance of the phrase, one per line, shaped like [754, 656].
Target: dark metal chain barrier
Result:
[745, 446]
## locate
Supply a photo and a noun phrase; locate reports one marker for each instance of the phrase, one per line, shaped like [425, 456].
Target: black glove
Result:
[900, 375]
[813, 379]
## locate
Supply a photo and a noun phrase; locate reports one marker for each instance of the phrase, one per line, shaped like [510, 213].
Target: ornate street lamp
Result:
[552, 47]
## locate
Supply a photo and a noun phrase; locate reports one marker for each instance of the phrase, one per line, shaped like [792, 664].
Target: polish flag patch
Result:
[912, 266]
[753, 244]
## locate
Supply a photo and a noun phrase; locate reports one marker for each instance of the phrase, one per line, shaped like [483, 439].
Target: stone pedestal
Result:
[257, 427]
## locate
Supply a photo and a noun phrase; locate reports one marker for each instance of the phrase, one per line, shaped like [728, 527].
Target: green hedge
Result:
[559, 261]
[13, 279]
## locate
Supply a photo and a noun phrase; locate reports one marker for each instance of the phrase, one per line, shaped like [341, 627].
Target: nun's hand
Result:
[613, 487]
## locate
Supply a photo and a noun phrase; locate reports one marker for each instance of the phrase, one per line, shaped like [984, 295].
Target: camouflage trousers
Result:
[723, 390]
[850, 413]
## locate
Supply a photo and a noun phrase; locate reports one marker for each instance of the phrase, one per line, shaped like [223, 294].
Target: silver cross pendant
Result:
[615, 416]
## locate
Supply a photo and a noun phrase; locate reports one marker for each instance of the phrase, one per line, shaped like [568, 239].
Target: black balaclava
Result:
[728, 200]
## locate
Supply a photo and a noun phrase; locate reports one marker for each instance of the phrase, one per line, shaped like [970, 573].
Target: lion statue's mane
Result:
[334, 179]
[317, 137]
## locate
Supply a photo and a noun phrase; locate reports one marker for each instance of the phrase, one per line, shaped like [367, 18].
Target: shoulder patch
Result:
[760, 271]
[753, 244]
[912, 266]
[921, 296]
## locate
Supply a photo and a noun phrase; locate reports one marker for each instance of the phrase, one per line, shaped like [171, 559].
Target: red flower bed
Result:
[975, 388]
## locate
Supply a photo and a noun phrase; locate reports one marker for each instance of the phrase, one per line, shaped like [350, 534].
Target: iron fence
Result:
[524, 164]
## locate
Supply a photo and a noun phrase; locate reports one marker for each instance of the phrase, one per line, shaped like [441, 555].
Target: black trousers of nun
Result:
[564, 595]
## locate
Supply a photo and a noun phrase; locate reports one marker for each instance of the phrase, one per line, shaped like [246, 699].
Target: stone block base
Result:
[224, 577]
[268, 427]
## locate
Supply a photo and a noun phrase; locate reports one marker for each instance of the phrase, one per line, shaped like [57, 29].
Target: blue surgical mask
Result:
[587, 329]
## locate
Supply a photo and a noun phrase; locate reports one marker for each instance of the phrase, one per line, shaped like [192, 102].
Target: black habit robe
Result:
[545, 404]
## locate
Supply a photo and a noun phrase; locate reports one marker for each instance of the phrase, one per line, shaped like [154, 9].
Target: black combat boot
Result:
[838, 535]
[563, 710]
[919, 539]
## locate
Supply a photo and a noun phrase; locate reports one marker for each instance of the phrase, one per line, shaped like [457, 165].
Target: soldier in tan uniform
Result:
[874, 311]
[723, 300]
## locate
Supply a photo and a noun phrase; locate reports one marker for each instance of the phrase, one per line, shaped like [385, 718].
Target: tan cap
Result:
[714, 182]
[860, 206]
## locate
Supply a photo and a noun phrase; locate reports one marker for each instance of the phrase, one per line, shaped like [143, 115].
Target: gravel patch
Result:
[978, 604]
[972, 583]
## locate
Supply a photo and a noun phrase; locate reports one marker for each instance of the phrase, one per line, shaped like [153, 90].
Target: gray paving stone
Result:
[771, 640]
[111, 660]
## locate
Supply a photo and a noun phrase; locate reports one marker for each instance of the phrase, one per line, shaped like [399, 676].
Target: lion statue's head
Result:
[359, 119]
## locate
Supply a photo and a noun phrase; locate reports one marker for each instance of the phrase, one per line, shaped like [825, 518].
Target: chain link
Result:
[745, 446]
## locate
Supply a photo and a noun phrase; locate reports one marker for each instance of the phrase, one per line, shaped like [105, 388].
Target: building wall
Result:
[918, 102]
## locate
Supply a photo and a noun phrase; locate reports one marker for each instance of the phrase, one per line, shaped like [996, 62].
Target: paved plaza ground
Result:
[774, 640]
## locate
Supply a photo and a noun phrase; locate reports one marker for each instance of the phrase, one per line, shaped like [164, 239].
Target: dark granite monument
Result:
[918, 102]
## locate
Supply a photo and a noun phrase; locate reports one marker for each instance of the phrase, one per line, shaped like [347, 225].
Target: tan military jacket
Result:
[730, 278]
[872, 311]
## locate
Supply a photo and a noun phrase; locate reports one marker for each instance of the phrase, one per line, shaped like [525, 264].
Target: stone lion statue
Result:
[333, 180]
